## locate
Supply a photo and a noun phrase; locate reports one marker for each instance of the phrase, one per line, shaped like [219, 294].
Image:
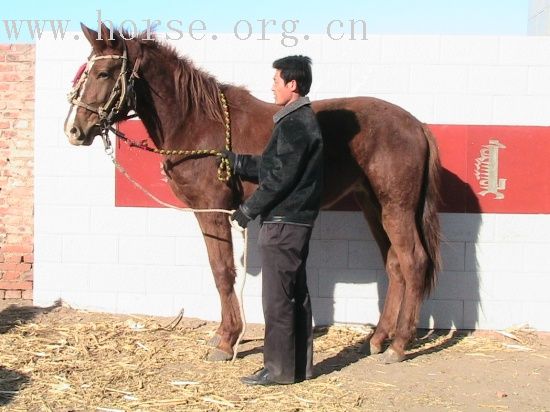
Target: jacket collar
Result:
[302, 101]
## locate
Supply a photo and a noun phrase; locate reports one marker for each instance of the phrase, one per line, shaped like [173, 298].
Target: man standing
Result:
[288, 198]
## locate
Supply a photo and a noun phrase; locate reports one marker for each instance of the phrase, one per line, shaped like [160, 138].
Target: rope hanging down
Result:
[224, 174]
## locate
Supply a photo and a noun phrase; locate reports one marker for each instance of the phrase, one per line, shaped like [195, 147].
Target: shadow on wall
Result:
[454, 303]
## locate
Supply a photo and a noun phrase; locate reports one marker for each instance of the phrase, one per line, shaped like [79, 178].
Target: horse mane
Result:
[197, 91]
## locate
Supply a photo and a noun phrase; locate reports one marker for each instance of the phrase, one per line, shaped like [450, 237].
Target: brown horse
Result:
[374, 150]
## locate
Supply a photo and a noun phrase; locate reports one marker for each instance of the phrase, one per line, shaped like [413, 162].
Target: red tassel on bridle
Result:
[79, 74]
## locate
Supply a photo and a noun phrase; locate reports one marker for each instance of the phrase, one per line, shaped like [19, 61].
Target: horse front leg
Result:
[217, 235]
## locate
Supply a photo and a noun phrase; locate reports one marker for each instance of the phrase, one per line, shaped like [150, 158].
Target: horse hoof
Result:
[218, 355]
[391, 356]
[368, 349]
[214, 341]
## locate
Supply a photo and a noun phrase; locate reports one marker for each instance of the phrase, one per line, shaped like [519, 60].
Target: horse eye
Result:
[103, 75]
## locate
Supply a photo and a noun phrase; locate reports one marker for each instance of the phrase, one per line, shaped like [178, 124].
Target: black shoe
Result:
[261, 377]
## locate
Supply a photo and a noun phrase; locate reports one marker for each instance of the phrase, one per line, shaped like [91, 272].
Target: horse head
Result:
[102, 92]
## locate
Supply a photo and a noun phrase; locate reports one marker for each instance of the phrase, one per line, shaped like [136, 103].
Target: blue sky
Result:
[486, 17]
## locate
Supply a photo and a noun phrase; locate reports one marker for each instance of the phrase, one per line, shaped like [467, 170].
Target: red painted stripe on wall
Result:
[487, 169]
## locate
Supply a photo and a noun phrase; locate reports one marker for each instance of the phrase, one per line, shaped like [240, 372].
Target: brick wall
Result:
[16, 170]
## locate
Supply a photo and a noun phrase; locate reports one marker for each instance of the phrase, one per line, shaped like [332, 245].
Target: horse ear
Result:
[111, 38]
[91, 35]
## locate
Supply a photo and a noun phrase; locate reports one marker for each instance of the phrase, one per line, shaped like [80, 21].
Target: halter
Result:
[122, 95]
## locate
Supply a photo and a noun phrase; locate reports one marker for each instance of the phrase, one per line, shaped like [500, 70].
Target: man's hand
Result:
[239, 220]
[231, 157]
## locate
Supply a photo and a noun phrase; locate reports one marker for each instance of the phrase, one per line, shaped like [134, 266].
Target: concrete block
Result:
[420, 106]
[44, 298]
[73, 277]
[438, 79]
[524, 287]
[467, 227]
[75, 162]
[98, 302]
[149, 304]
[442, 314]
[383, 78]
[51, 131]
[60, 219]
[227, 46]
[535, 258]
[328, 253]
[253, 309]
[410, 49]
[466, 50]
[492, 314]
[536, 315]
[453, 254]
[343, 226]
[326, 311]
[252, 287]
[191, 252]
[463, 109]
[199, 306]
[493, 257]
[188, 47]
[364, 311]
[90, 249]
[364, 255]
[47, 248]
[522, 228]
[346, 50]
[58, 278]
[334, 78]
[520, 110]
[171, 222]
[342, 283]
[117, 278]
[278, 47]
[163, 279]
[111, 220]
[525, 51]
[147, 250]
[313, 277]
[498, 80]
[257, 76]
[459, 286]
[538, 80]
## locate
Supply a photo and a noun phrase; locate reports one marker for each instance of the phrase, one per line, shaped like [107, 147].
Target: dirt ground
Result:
[61, 359]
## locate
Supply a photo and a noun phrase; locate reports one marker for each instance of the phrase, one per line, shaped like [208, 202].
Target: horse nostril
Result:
[74, 132]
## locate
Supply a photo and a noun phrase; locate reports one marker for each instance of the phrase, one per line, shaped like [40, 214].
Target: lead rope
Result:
[138, 185]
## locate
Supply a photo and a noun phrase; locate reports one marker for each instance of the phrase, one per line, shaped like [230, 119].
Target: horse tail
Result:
[428, 219]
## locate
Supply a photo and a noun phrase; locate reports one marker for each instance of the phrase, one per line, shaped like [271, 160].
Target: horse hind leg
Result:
[412, 261]
[388, 319]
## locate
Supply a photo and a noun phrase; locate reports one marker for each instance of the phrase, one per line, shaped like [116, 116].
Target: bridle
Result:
[123, 98]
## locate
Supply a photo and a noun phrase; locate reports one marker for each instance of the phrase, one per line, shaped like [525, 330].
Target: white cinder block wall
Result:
[153, 261]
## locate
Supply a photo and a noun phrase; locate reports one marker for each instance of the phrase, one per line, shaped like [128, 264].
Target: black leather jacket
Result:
[290, 170]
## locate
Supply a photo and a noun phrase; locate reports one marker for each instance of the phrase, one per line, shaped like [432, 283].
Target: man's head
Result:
[292, 78]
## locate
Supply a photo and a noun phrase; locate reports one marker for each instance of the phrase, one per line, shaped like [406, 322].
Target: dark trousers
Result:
[288, 343]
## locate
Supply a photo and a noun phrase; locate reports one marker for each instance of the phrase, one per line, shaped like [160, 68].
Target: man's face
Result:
[283, 93]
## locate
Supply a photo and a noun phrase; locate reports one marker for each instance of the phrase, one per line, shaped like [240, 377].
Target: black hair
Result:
[296, 68]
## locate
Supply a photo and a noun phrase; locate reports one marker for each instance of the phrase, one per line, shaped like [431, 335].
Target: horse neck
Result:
[164, 104]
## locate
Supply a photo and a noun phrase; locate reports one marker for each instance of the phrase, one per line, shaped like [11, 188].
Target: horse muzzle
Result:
[78, 137]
